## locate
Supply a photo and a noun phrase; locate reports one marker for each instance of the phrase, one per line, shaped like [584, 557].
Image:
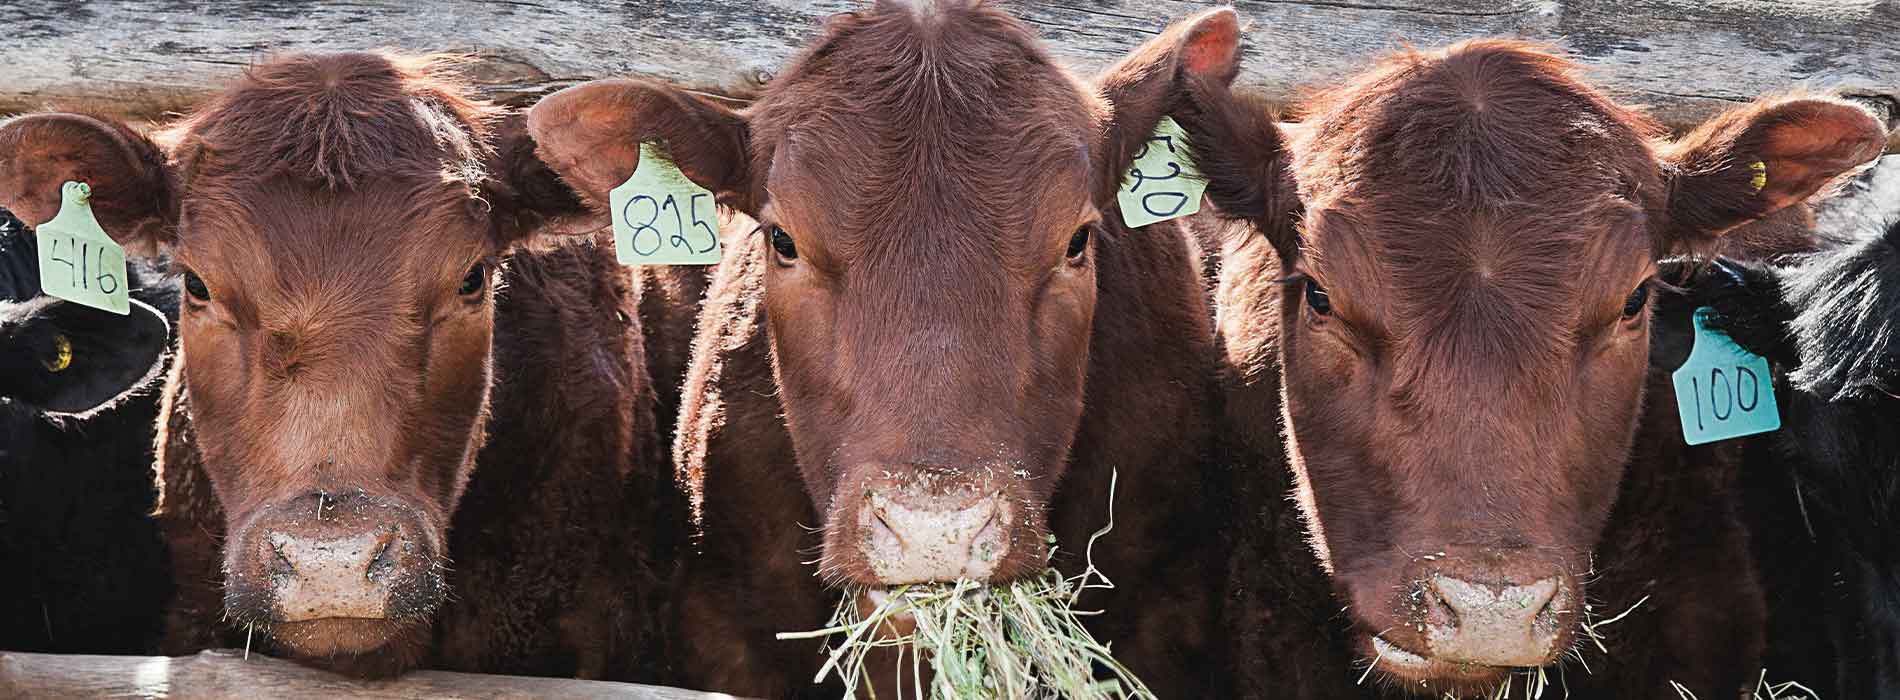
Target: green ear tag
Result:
[1162, 183]
[78, 261]
[1723, 391]
[663, 218]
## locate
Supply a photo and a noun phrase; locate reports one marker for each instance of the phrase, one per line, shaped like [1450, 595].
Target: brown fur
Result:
[332, 205]
[1477, 218]
[894, 152]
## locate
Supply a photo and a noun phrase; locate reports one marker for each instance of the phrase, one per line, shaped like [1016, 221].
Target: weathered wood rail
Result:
[227, 675]
[1685, 58]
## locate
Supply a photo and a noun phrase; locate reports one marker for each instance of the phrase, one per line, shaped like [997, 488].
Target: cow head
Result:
[336, 221]
[1466, 241]
[929, 187]
[62, 357]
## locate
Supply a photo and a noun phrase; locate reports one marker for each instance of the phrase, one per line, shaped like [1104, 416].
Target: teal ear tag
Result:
[78, 261]
[663, 218]
[1723, 391]
[1162, 183]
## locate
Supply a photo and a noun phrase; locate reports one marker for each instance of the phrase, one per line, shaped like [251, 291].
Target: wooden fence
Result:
[228, 675]
[1684, 58]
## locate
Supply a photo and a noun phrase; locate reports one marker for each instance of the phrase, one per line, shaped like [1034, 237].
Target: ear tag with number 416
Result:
[1162, 183]
[1723, 391]
[663, 218]
[78, 261]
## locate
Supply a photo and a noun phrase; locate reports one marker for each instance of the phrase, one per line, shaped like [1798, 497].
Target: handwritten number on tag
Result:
[662, 217]
[1726, 395]
[1722, 390]
[1148, 200]
[1161, 183]
[647, 238]
[78, 261]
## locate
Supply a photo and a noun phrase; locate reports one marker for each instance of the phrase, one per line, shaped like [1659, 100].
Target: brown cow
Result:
[938, 280]
[389, 441]
[1449, 275]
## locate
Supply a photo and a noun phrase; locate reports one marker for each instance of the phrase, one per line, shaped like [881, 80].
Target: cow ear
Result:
[590, 135]
[1753, 161]
[527, 198]
[1240, 146]
[132, 192]
[62, 357]
[1149, 83]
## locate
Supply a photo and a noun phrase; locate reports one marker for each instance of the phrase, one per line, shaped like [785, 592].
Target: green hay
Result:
[1022, 640]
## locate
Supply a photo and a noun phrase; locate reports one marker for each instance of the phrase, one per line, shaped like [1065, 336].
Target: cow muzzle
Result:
[326, 556]
[1480, 608]
[912, 537]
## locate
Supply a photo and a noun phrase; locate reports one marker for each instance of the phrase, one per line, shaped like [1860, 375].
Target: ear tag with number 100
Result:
[1162, 183]
[1723, 391]
[78, 261]
[661, 217]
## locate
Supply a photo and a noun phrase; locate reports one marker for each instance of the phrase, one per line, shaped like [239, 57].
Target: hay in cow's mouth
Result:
[1024, 639]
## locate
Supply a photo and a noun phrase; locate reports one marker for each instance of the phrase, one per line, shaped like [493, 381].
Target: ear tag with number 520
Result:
[78, 261]
[1723, 391]
[663, 218]
[1162, 183]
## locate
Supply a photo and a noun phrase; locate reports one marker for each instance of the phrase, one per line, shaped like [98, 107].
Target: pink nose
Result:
[1495, 625]
[934, 538]
[327, 556]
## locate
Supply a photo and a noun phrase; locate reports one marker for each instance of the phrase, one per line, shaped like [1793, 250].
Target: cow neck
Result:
[1150, 400]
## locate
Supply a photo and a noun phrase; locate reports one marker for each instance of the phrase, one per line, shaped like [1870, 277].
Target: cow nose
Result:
[1509, 625]
[323, 577]
[343, 557]
[935, 538]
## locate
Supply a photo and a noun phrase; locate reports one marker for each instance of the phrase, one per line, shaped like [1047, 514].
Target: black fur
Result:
[85, 568]
[1824, 491]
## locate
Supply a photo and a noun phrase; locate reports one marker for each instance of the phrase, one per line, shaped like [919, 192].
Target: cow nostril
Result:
[985, 544]
[384, 561]
[280, 563]
[1436, 610]
[884, 538]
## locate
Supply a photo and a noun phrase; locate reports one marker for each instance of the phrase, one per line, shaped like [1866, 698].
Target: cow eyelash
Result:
[196, 292]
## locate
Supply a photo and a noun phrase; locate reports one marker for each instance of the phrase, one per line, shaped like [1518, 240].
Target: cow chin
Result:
[1424, 676]
[341, 636]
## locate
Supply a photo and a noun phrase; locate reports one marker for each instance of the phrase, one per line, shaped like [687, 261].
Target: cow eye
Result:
[1317, 299]
[782, 242]
[1636, 302]
[61, 356]
[195, 286]
[1079, 243]
[474, 281]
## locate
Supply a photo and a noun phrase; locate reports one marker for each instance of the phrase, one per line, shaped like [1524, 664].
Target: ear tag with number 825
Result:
[1723, 391]
[78, 261]
[1162, 183]
[661, 217]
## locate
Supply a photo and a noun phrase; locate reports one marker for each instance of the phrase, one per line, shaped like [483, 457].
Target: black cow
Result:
[1824, 490]
[86, 570]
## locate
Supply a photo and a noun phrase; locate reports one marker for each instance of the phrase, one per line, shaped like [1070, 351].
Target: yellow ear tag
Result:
[78, 261]
[1162, 182]
[663, 218]
[62, 355]
[1760, 179]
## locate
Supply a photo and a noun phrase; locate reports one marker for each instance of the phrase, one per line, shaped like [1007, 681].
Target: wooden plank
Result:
[1684, 58]
[227, 675]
